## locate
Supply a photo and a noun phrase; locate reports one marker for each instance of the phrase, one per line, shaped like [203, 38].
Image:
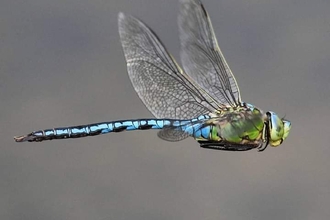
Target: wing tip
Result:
[121, 15]
[190, 2]
[124, 19]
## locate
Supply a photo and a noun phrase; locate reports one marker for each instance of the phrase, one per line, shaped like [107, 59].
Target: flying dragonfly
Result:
[202, 100]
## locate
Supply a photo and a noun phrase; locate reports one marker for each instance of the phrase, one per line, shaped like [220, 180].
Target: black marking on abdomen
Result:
[93, 133]
[119, 129]
[76, 135]
[144, 127]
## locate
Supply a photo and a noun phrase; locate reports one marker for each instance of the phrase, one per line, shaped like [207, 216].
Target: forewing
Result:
[157, 79]
[201, 56]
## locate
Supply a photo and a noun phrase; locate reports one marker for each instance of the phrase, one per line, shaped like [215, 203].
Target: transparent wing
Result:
[158, 80]
[201, 56]
[189, 128]
[172, 134]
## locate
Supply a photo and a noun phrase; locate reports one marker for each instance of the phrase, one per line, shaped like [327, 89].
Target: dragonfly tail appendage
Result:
[96, 129]
[23, 138]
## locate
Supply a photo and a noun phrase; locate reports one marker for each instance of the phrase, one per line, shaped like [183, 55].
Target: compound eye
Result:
[276, 129]
[287, 127]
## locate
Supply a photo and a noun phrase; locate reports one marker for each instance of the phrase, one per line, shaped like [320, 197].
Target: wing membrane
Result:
[158, 80]
[201, 56]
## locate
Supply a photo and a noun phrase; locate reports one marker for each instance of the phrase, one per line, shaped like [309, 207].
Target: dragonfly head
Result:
[278, 129]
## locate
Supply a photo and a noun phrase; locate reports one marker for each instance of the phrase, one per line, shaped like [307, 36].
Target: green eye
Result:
[277, 126]
[278, 129]
[287, 127]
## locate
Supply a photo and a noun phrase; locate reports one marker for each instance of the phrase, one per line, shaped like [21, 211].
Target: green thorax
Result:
[239, 125]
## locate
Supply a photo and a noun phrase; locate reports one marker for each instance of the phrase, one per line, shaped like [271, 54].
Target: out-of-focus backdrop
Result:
[62, 64]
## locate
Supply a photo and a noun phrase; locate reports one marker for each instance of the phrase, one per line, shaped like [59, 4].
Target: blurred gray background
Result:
[61, 64]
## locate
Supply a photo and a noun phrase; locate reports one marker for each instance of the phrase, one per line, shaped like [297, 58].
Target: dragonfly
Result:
[201, 101]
